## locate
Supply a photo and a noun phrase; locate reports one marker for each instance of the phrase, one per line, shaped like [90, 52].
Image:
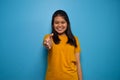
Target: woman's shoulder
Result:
[46, 35]
[76, 37]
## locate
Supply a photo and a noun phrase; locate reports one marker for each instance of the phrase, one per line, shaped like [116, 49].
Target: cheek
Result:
[65, 25]
[54, 25]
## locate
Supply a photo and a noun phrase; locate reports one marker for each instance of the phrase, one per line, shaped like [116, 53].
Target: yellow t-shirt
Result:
[62, 61]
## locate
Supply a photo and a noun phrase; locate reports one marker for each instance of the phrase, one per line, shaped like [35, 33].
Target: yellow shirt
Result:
[62, 61]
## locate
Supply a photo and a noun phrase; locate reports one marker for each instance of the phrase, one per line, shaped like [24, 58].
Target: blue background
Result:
[23, 24]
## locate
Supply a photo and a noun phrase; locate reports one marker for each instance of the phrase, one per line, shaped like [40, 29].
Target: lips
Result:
[60, 28]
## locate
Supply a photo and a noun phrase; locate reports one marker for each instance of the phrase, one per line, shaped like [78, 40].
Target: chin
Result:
[60, 32]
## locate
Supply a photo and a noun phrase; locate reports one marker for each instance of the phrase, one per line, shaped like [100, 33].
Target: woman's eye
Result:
[62, 22]
[56, 22]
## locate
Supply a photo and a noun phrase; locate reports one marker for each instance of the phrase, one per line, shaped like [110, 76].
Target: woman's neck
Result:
[63, 34]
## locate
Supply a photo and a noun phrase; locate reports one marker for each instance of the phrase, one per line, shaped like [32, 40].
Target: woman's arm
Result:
[77, 55]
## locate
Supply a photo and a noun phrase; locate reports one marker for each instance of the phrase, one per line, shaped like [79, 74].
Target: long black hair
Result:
[68, 32]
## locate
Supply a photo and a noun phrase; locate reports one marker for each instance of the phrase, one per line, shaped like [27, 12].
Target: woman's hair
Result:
[68, 32]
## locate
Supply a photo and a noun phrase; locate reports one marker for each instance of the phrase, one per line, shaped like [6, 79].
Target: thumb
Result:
[51, 35]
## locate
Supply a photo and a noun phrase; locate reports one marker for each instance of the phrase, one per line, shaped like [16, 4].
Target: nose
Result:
[59, 24]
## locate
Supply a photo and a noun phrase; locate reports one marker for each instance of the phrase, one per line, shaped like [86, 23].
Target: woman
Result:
[63, 50]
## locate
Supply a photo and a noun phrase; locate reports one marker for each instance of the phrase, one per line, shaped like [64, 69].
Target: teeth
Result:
[60, 29]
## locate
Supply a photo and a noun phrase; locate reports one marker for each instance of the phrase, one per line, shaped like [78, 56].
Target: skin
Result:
[77, 55]
[60, 26]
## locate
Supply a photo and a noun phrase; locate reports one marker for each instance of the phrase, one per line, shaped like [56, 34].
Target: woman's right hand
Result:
[48, 42]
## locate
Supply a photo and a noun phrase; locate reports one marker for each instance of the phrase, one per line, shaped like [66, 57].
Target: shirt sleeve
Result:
[77, 49]
[46, 36]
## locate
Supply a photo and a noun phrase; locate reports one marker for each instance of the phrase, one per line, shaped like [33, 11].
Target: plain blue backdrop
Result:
[23, 24]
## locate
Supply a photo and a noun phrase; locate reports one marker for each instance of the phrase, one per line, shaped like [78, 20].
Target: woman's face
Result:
[60, 24]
